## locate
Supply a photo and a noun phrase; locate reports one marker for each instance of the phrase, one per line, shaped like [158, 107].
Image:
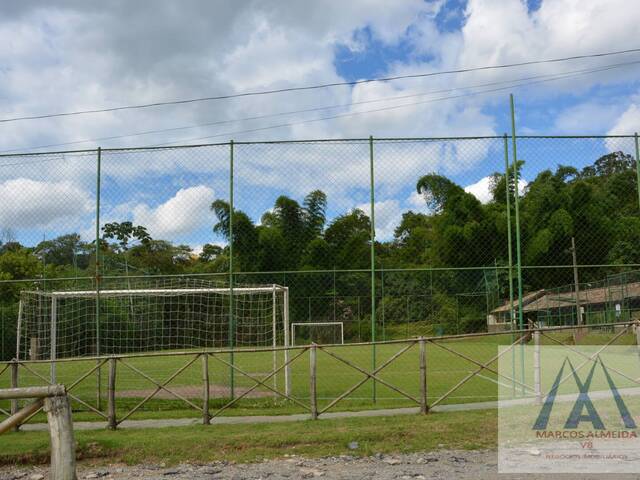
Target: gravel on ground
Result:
[442, 464]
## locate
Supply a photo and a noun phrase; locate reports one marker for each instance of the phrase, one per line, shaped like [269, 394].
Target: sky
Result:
[75, 55]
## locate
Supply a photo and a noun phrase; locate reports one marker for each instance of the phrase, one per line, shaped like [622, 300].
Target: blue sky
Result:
[75, 56]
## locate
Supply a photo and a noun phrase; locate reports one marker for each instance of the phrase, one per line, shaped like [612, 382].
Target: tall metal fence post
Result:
[373, 267]
[536, 366]
[231, 299]
[287, 342]
[206, 417]
[313, 396]
[517, 212]
[635, 137]
[97, 274]
[14, 384]
[111, 395]
[53, 338]
[424, 407]
[509, 238]
[516, 194]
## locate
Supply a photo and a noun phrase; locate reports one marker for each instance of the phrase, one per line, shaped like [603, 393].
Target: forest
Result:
[443, 267]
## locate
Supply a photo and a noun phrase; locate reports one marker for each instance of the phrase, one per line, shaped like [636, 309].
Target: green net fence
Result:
[391, 238]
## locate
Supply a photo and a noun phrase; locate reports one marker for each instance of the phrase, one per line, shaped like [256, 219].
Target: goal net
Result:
[150, 316]
[327, 333]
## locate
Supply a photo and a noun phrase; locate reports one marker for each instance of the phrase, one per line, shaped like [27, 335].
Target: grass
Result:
[247, 443]
[444, 370]
[334, 378]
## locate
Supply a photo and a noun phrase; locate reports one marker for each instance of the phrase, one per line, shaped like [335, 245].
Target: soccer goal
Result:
[151, 317]
[328, 333]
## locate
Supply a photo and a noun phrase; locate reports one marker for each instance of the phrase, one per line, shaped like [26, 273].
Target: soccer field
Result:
[444, 369]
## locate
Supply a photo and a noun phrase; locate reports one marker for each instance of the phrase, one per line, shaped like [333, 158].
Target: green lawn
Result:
[246, 443]
[444, 370]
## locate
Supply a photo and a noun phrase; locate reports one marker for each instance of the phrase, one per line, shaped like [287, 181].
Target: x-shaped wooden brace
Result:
[159, 386]
[259, 382]
[70, 387]
[482, 366]
[368, 375]
[590, 358]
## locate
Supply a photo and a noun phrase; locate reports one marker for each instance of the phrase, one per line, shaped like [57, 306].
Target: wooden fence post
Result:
[63, 450]
[206, 417]
[536, 366]
[313, 397]
[14, 384]
[111, 395]
[424, 407]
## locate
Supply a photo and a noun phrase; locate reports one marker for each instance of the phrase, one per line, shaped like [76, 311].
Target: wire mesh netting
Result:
[369, 239]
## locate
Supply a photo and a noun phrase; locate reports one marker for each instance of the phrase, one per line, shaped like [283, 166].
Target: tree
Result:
[17, 263]
[315, 208]
[65, 250]
[290, 221]
[160, 256]
[413, 238]
[210, 252]
[437, 191]
[348, 236]
[298, 225]
[613, 163]
[245, 234]
[498, 180]
[124, 232]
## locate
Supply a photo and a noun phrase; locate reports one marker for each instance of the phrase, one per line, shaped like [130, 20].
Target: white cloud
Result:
[629, 122]
[26, 203]
[482, 189]
[588, 118]
[417, 204]
[179, 216]
[388, 216]
[204, 48]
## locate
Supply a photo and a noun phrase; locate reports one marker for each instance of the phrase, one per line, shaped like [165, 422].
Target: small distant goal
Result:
[322, 333]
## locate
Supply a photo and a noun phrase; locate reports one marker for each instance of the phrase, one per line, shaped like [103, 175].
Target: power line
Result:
[318, 86]
[316, 109]
[395, 107]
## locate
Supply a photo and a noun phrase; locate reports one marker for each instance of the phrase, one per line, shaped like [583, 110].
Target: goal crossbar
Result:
[156, 291]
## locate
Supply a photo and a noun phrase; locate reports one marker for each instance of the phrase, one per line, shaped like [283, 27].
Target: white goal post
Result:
[338, 325]
[164, 315]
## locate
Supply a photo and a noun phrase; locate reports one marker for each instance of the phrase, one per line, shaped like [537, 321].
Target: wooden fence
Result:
[422, 393]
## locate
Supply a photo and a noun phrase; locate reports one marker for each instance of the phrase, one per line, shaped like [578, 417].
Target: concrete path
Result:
[181, 422]
[387, 412]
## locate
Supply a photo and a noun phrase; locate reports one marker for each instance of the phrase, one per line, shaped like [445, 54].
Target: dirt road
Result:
[444, 464]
